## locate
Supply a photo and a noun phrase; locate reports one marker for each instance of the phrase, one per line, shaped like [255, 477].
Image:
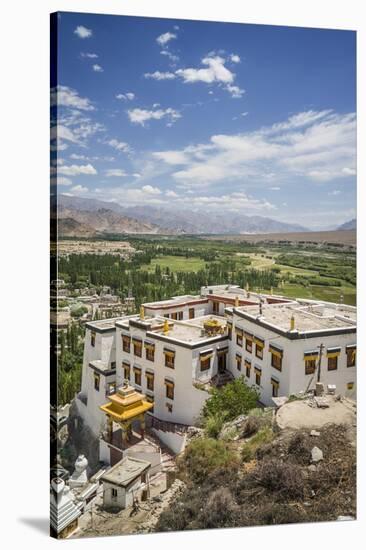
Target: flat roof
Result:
[125, 471]
[307, 318]
[191, 331]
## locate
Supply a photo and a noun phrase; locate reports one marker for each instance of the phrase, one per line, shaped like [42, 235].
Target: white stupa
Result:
[63, 511]
[79, 477]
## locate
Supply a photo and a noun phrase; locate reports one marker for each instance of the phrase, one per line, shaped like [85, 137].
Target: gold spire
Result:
[166, 327]
[142, 313]
[292, 324]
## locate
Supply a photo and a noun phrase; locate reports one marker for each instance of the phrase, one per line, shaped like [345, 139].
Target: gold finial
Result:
[236, 301]
[166, 326]
[292, 324]
[142, 313]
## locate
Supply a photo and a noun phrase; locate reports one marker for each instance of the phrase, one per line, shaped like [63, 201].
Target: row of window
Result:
[312, 358]
[149, 350]
[150, 378]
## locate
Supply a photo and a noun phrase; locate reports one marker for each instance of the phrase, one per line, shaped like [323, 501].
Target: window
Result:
[150, 381]
[169, 406]
[259, 349]
[230, 331]
[205, 364]
[248, 344]
[247, 368]
[96, 381]
[191, 313]
[351, 356]
[258, 374]
[276, 357]
[137, 374]
[92, 338]
[215, 307]
[127, 370]
[150, 351]
[174, 315]
[310, 366]
[275, 386]
[169, 389]
[126, 343]
[350, 386]
[332, 363]
[137, 347]
[238, 361]
[113, 365]
[166, 315]
[169, 358]
[239, 336]
[180, 315]
[205, 359]
[114, 494]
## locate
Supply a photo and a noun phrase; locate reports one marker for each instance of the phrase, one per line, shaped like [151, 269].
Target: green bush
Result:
[230, 401]
[262, 437]
[203, 456]
[213, 426]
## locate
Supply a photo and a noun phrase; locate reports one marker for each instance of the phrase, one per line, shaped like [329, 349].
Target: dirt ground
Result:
[301, 415]
[98, 522]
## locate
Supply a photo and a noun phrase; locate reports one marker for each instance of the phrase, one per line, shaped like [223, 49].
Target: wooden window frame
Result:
[276, 362]
[150, 354]
[169, 389]
[137, 374]
[137, 346]
[126, 343]
[351, 353]
[150, 380]
[126, 370]
[259, 351]
[96, 381]
[238, 360]
[248, 368]
[310, 369]
[205, 363]
[191, 313]
[332, 363]
[169, 359]
[248, 345]
[93, 335]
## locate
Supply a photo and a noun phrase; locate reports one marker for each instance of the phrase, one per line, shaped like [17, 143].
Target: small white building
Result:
[124, 482]
[175, 349]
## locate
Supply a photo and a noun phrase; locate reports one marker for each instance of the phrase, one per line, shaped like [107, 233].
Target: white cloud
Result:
[158, 75]
[215, 72]
[115, 172]
[150, 190]
[89, 55]
[234, 58]
[127, 96]
[235, 91]
[63, 181]
[334, 193]
[74, 170]
[140, 116]
[311, 145]
[79, 189]
[163, 39]
[83, 32]
[68, 97]
[97, 68]
[119, 145]
[173, 58]
[172, 194]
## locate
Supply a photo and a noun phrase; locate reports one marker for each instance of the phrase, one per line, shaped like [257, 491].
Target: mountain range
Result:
[100, 217]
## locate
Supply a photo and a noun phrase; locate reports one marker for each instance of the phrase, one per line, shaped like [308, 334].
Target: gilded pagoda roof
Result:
[126, 404]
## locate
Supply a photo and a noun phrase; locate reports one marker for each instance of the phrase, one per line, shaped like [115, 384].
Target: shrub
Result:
[285, 480]
[203, 456]
[251, 447]
[220, 510]
[231, 401]
[213, 425]
[251, 426]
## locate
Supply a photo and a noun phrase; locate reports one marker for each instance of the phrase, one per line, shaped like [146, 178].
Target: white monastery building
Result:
[175, 350]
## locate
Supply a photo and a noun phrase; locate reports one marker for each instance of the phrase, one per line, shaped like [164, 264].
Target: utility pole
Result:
[321, 348]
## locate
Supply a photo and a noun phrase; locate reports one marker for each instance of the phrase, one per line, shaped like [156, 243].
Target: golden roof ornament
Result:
[142, 313]
[166, 327]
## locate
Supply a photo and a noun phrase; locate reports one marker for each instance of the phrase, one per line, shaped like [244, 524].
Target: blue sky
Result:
[207, 116]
